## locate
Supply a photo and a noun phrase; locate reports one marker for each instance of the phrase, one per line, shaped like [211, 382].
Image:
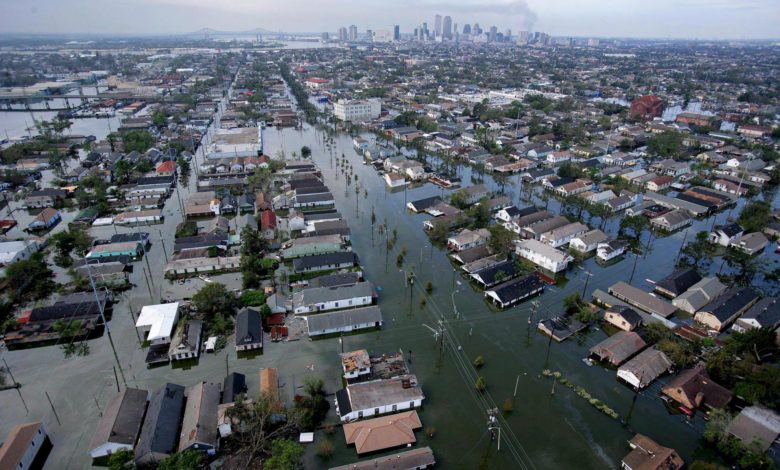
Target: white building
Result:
[11, 252]
[355, 363]
[161, 320]
[320, 299]
[543, 255]
[610, 250]
[378, 397]
[394, 180]
[563, 235]
[357, 110]
[21, 446]
[344, 321]
[588, 241]
[240, 142]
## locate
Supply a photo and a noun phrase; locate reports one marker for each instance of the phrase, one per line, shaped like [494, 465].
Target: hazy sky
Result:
[738, 19]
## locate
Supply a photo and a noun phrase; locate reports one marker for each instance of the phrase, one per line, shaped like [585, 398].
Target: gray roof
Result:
[199, 425]
[367, 395]
[730, 303]
[316, 295]
[641, 299]
[416, 458]
[766, 312]
[648, 365]
[619, 347]
[326, 259]
[249, 327]
[699, 294]
[122, 418]
[343, 318]
[161, 425]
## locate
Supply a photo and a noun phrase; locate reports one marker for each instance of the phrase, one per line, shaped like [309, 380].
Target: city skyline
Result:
[684, 19]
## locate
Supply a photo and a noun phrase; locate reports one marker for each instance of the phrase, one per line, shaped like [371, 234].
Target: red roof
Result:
[317, 80]
[166, 167]
[268, 219]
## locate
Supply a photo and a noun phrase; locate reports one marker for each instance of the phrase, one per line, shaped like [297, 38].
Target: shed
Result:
[619, 347]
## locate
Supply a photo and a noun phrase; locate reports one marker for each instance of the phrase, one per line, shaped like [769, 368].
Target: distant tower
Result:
[370, 35]
[467, 29]
[508, 35]
[437, 25]
[424, 33]
[493, 34]
[353, 33]
[476, 29]
[447, 33]
[343, 35]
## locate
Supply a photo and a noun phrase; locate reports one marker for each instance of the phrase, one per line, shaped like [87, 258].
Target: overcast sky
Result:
[705, 19]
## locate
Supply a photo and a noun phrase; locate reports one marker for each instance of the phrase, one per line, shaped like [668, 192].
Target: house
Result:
[619, 347]
[496, 273]
[416, 459]
[133, 250]
[646, 454]
[730, 187]
[622, 317]
[510, 213]
[722, 311]
[611, 250]
[473, 194]
[751, 243]
[757, 427]
[763, 314]
[659, 183]
[386, 432]
[468, 239]
[699, 295]
[312, 246]
[321, 299]
[186, 343]
[543, 255]
[11, 252]
[678, 282]
[378, 397]
[344, 321]
[167, 168]
[644, 368]
[336, 280]
[355, 364]
[161, 320]
[199, 426]
[693, 388]
[44, 198]
[47, 218]
[588, 241]
[421, 205]
[641, 299]
[325, 262]
[394, 180]
[647, 107]
[249, 330]
[120, 424]
[139, 217]
[233, 386]
[725, 235]
[161, 424]
[268, 224]
[269, 383]
[26, 447]
[536, 230]
[563, 235]
[511, 292]
[184, 265]
[671, 221]
[575, 187]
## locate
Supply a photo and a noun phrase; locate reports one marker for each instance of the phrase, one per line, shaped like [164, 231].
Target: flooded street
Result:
[545, 430]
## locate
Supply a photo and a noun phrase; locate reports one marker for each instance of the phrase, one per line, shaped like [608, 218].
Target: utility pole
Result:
[52, 408]
[587, 278]
[534, 306]
[101, 307]
[549, 343]
[679, 252]
[633, 269]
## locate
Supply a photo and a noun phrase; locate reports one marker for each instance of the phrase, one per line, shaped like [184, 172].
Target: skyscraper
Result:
[493, 33]
[476, 29]
[343, 34]
[353, 33]
[508, 35]
[437, 25]
[467, 29]
[447, 33]
[522, 37]
[396, 33]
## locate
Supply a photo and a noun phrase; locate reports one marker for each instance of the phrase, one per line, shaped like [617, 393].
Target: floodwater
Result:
[544, 430]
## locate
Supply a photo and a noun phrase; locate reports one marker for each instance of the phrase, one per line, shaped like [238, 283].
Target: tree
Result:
[480, 384]
[160, 119]
[122, 171]
[666, 144]
[754, 216]
[312, 407]
[746, 265]
[572, 302]
[186, 460]
[501, 240]
[120, 459]
[29, 278]
[139, 141]
[479, 362]
[215, 305]
[305, 152]
[700, 250]
[285, 455]
[252, 298]
[480, 213]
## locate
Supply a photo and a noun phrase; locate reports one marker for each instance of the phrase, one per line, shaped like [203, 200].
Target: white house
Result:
[121, 422]
[563, 235]
[161, 320]
[543, 255]
[377, 397]
[355, 363]
[11, 252]
[468, 239]
[22, 446]
[610, 250]
[321, 299]
[588, 241]
[394, 180]
[726, 235]
[344, 321]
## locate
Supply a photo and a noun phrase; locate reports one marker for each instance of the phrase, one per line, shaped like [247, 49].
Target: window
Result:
[395, 407]
[360, 414]
[376, 411]
[411, 404]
